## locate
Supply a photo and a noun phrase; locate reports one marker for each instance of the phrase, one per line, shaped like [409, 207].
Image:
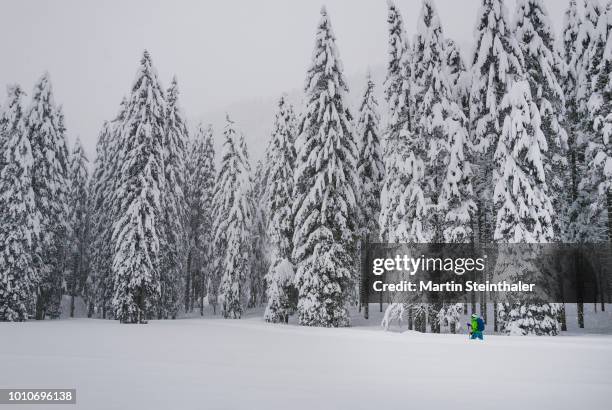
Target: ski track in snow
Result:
[248, 364]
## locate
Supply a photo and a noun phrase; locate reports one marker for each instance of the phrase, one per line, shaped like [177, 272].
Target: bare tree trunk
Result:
[580, 311]
[410, 319]
[495, 320]
[579, 291]
[40, 311]
[563, 318]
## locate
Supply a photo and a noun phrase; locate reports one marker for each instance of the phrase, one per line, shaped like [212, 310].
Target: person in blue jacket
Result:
[476, 327]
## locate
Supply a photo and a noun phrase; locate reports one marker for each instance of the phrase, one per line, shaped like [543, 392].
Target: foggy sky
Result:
[223, 52]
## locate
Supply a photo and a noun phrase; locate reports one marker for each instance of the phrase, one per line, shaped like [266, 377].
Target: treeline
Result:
[510, 147]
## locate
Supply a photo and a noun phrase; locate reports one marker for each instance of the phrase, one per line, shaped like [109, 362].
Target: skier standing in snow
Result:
[476, 326]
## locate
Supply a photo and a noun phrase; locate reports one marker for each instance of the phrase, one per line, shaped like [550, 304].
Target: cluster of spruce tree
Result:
[319, 168]
[151, 208]
[43, 199]
[512, 148]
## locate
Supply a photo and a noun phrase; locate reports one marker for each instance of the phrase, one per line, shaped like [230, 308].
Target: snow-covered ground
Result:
[248, 364]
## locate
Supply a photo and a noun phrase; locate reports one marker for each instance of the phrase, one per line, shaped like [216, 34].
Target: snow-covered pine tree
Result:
[521, 194]
[173, 242]
[199, 192]
[496, 60]
[439, 122]
[457, 74]
[400, 165]
[440, 126]
[78, 219]
[139, 224]
[394, 226]
[457, 196]
[568, 50]
[326, 187]
[20, 218]
[45, 129]
[232, 223]
[370, 168]
[104, 212]
[280, 159]
[587, 209]
[597, 179]
[587, 221]
[543, 70]
[260, 261]
[524, 210]
[100, 246]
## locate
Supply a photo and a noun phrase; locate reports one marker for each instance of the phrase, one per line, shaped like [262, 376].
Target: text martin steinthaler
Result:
[458, 266]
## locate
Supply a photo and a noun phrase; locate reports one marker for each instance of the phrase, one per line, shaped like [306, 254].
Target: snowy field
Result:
[248, 364]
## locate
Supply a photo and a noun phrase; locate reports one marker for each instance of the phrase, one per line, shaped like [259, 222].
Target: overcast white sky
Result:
[223, 52]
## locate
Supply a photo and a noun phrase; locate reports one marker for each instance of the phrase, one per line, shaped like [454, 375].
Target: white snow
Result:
[239, 364]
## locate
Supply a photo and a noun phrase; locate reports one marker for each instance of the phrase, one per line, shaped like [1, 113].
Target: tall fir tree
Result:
[20, 219]
[278, 197]
[104, 209]
[78, 219]
[232, 223]
[98, 194]
[199, 194]
[46, 131]
[173, 245]
[393, 224]
[570, 45]
[260, 260]
[585, 221]
[325, 192]
[370, 167]
[441, 140]
[524, 211]
[496, 61]
[137, 231]
[401, 166]
[544, 70]
[440, 124]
